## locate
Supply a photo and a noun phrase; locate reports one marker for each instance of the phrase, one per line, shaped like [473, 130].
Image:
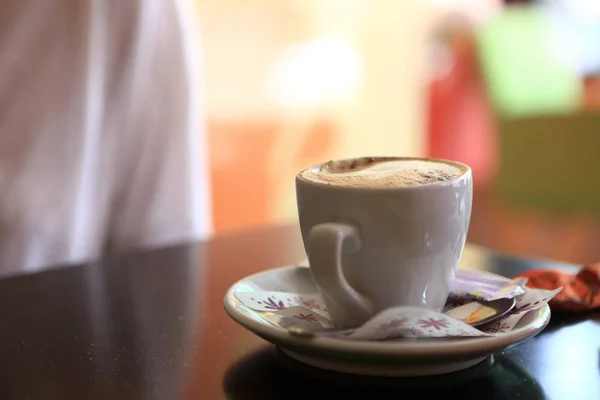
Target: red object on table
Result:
[580, 292]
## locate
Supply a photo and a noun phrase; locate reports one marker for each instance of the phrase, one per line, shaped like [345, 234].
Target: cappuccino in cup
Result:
[382, 172]
[381, 232]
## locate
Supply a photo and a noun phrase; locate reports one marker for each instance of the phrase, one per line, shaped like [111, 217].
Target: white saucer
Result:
[406, 357]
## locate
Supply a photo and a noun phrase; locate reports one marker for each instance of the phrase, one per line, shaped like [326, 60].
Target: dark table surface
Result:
[151, 326]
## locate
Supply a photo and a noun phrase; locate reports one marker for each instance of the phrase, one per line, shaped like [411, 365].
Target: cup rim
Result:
[466, 172]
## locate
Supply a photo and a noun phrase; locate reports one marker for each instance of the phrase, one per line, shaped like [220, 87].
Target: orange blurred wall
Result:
[294, 82]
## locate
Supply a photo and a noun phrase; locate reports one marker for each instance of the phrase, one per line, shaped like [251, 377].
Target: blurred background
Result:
[511, 88]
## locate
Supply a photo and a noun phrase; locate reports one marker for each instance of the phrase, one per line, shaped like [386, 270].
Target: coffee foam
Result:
[373, 172]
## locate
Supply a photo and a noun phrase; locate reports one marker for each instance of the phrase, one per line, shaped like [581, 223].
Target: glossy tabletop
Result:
[151, 326]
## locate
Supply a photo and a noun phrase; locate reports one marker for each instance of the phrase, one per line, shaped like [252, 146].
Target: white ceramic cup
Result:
[374, 248]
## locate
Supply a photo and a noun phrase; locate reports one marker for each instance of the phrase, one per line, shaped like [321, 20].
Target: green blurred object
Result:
[551, 162]
[522, 71]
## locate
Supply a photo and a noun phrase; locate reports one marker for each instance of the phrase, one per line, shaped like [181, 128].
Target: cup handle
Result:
[326, 243]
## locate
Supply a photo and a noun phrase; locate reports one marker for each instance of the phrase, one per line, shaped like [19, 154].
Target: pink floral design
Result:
[391, 326]
[306, 317]
[273, 304]
[437, 324]
[395, 323]
[310, 303]
[498, 327]
[416, 332]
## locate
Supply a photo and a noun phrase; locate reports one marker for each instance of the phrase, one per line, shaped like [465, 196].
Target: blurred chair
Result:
[547, 144]
[551, 162]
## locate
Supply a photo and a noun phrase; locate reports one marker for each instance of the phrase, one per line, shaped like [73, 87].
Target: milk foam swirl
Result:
[382, 172]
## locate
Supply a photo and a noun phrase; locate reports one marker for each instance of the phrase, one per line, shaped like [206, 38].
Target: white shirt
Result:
[102, 144]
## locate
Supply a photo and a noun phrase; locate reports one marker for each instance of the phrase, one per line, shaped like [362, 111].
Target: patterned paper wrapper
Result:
[284, 310]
